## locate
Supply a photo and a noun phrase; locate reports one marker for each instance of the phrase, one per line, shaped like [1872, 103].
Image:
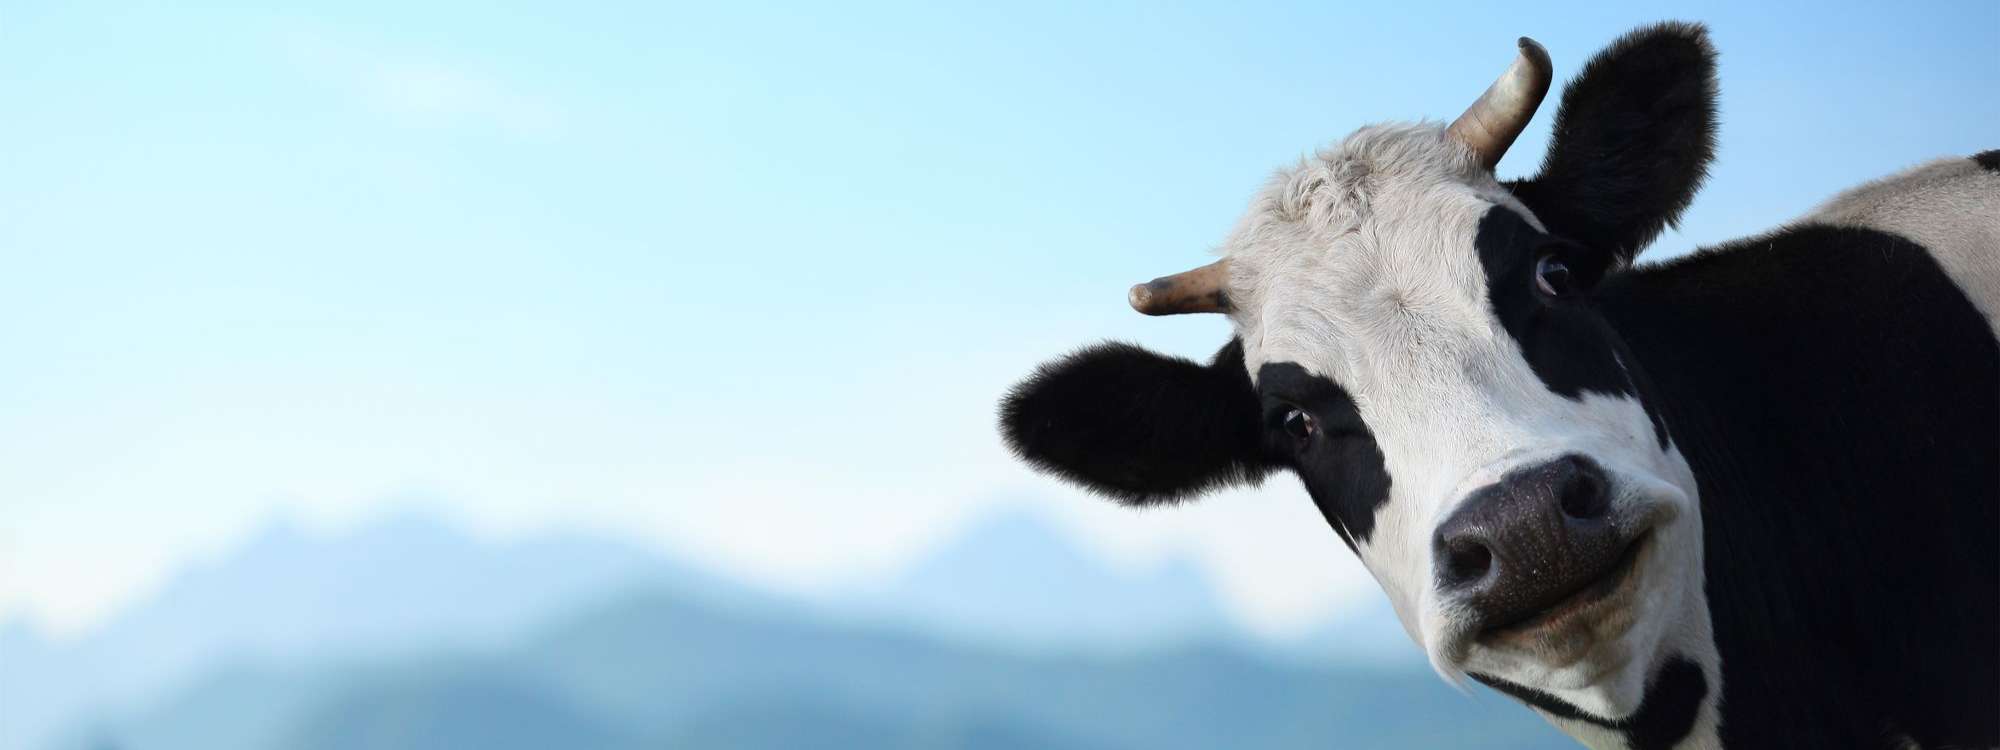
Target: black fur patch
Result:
[1988, 159]
[1138, 426]
[1341, 466]
[1665, 715]
[1834, 392]
[1633, 140]
[1570, 346]
[1832, 389]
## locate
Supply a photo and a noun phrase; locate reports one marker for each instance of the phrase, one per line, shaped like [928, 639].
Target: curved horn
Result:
[1198, 291]
[1491, 124]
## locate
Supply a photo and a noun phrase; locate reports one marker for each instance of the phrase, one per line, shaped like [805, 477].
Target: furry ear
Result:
[1137, 426]
[1633, 141]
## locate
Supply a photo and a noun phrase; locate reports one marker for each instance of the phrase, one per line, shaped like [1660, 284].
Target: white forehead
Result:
[1366, 246]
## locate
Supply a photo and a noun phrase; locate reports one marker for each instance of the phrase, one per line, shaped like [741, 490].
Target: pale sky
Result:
[743, 282]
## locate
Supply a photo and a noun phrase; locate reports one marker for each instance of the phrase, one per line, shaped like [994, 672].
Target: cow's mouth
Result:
[1590, 597]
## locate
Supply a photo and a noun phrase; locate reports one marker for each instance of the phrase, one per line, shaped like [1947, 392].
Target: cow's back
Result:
[1950, 206]
[1835, 385]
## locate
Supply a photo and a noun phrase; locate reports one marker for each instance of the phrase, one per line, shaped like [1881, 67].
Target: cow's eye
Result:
[1300, 425]
[1553, 277]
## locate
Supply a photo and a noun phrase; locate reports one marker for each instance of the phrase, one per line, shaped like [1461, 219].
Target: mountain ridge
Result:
[410, 584]
[651, 669]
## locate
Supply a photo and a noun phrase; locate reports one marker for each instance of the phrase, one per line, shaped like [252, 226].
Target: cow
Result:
[1748, 497]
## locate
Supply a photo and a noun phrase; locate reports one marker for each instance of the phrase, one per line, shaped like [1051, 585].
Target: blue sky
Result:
[741, 281]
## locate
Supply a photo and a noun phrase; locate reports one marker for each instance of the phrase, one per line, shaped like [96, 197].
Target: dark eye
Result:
[1553, 277]
[1300, 425]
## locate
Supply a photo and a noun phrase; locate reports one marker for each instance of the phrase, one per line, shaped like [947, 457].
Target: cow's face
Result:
[1426, 358]
[1425, 353]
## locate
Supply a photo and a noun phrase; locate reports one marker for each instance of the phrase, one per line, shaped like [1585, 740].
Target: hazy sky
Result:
[743, 281]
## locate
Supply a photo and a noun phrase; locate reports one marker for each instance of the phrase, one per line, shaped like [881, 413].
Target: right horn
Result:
[1491, 124]
[1201, 290]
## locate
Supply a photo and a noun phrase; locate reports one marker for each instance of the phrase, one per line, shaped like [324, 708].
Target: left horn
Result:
[1491, 124]
[1198, 291]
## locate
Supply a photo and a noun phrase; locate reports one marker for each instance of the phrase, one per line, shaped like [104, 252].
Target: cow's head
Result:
[1422, 345]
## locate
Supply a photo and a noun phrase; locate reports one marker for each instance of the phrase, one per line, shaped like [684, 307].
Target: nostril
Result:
[1466, 561]
[1584, 498]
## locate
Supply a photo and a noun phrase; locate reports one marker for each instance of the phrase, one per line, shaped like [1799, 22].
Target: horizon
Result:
[978, 533]
[743, 285]
[900, 600]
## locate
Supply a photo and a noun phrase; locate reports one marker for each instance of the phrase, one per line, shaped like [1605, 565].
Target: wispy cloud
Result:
[419, 88]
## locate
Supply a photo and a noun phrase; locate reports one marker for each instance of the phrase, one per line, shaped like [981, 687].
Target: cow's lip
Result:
[1579, 603]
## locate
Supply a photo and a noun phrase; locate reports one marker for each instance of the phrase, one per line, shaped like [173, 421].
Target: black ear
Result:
[1140, 427]
[1632, 141]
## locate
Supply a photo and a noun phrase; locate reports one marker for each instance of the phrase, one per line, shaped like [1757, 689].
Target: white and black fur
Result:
[1797, 435]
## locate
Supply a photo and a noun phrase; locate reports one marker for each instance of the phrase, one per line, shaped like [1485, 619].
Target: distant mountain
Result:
[655, 670]
[303, 633]
[285, 596]
[18, 639]
[27, 706]
[787, 724]
[452, 709]
[1366, 634]
[1015, 580]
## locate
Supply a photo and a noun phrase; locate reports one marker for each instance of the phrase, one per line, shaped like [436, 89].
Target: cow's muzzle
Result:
[1538, 546]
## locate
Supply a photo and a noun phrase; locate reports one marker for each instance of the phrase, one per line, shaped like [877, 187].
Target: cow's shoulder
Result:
[1833, 380]
[1951, 207]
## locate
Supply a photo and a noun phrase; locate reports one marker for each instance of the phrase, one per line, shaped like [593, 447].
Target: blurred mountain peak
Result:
[19, 629]
[290, 593]
[1015, 578]
[1016, 547]
[289, 533]
[20, 640]
[1004, 539]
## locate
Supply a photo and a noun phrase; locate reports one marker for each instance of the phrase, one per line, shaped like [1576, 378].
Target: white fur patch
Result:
[1359, 265]
[1949, 206]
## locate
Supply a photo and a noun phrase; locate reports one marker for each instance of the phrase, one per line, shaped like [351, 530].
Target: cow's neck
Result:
[1836, 397]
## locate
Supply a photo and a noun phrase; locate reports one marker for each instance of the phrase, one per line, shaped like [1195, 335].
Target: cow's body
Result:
[1746, 498]
[1852, 606]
